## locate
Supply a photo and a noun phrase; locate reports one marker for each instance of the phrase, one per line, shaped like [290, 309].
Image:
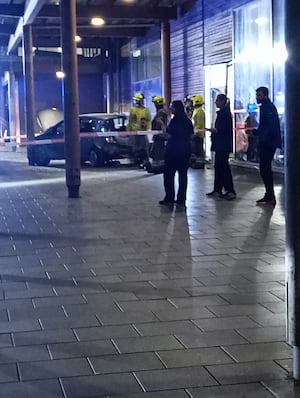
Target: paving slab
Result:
[111, 295]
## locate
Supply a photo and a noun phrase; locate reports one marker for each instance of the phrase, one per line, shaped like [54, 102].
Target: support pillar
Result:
[118, 76]
[70, 96]
[11, 104]
[292, 178]
[166, 61]
[3, 125]
[28, 74]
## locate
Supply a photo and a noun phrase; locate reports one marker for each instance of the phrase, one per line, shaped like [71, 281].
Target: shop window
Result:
[253, 45]
[146, 72]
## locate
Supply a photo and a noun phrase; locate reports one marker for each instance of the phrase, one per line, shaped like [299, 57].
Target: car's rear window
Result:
[92, 124]
[113, 124]
[88, 125]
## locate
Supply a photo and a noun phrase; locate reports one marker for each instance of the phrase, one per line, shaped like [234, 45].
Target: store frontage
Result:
[233, 48]
[258, 57]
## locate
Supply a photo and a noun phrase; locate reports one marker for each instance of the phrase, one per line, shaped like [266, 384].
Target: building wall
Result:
[203, 36]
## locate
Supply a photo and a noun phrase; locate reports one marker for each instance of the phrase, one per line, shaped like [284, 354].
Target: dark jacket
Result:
[160, 120]
[221, 141]
[180, 130]
[269, 127]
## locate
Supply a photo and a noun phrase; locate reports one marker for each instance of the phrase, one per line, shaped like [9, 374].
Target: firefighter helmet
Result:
[138, 97]
[198, 100]
[158, 99]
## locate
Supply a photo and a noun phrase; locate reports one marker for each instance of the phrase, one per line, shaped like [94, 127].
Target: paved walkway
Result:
[111, 295]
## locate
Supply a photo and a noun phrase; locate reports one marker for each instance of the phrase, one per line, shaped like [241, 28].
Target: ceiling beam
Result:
[12, 10]
[85, 43]
[112, 31]
[15, 38]
[116, 12]
[32, 9]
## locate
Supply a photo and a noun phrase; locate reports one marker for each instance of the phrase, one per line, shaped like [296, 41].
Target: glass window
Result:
[119, 123]
[252, 50]
[87, 125]
[146, 70]
[146, 62]
[59, 132]
[258, 61]
[279, 58]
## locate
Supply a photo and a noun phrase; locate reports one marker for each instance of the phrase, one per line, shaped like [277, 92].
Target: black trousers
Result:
[266, 155]
[223, 176]
[181, 165]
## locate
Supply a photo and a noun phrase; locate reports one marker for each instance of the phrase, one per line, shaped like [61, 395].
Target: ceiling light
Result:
[60, 74]
[97, 21]
[136, 53]
[78, 38]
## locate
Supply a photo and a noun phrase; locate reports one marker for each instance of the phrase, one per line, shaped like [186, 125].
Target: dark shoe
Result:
[268, 200]
[165, 203]
[263, 199]
[214, 194]
[271, 201]
[229, 196]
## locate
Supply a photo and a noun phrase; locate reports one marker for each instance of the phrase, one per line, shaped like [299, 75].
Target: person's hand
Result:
[212, 130]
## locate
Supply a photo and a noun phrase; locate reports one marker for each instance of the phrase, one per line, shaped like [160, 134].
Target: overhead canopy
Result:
[123, 19]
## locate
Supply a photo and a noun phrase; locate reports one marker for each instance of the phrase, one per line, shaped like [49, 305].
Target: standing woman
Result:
[177, 155]
[221, 144]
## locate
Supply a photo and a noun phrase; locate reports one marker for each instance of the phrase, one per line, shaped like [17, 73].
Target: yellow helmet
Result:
[198, 100]
[158, 99]
[138, 97]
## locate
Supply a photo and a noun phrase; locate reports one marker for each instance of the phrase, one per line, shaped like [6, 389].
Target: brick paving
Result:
[111, 295]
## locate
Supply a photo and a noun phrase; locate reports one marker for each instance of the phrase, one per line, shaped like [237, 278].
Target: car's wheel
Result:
[41, 158]
[148, 167]
[31, 161]
[96, 158]
[30, 156]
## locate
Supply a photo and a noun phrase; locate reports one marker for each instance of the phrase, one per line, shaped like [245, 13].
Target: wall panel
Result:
[201, 37]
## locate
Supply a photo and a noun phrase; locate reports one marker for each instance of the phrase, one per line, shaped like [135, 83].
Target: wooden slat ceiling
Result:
[123, 19]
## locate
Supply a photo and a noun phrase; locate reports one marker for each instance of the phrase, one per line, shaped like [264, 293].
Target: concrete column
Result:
[118, 76]
[12, 104]
[108, 92]
[3, 125]
[166, 61]
[292, 178]
[70, 96]
[28, 74]
[17, 114]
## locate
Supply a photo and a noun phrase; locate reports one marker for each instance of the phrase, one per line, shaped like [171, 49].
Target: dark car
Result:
[95, 145]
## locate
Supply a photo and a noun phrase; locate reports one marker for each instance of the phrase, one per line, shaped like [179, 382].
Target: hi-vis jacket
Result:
[139, 119]
[198, 119]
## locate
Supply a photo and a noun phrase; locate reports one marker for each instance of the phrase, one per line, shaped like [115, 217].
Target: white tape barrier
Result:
[99, 134]
[149, 133]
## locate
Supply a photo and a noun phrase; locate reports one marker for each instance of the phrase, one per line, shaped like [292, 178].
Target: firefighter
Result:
[157, 148]
[139, 120]
[160, 119]
[198, 119]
